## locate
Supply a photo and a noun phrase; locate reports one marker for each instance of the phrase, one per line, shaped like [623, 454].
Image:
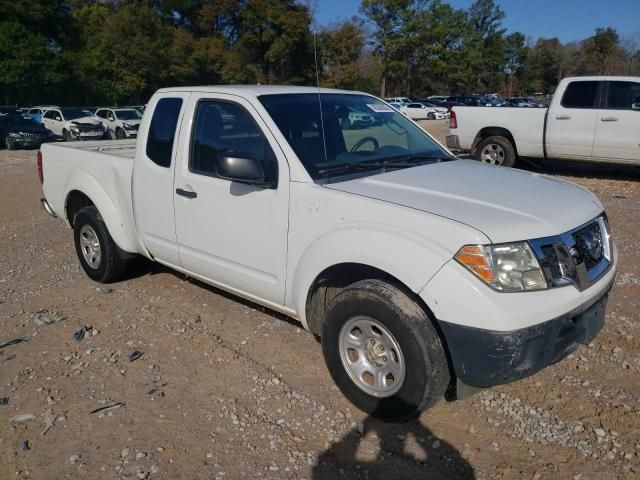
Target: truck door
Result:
[571, 123]
[153, 177]
[618, 123]
[229, 233]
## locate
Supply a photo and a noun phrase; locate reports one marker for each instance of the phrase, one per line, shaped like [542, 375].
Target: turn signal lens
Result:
[509, 267]
[477, 259]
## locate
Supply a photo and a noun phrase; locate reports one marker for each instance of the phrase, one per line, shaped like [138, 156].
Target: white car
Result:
[422, 273]
[593, 119]
[402, 100]
[73, 124]
[120, 122]
[419, 111]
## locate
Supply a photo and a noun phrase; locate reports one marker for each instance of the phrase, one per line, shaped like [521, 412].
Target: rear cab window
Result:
[162, 131]
[581, 94]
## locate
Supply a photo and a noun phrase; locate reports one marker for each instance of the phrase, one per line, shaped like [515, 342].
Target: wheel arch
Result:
[487, 132]
[82, 191]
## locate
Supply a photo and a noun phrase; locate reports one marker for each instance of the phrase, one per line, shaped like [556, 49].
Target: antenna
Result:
[315, 58]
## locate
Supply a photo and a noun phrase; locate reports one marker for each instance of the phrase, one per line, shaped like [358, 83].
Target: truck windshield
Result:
[361, 134]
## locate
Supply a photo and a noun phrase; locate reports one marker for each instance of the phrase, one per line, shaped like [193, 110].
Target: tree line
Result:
[119, 51]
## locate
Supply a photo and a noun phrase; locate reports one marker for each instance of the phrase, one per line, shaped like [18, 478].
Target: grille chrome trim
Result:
[560, 256]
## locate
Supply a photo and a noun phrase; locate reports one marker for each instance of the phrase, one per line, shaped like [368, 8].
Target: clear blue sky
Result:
[566, 19]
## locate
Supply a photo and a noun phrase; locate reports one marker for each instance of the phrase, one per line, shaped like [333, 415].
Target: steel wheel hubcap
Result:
[371, 356]
[493, 154]
[90, 246]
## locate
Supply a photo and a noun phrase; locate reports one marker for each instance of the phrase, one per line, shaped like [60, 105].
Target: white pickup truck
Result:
[590, 119]
[377, 239]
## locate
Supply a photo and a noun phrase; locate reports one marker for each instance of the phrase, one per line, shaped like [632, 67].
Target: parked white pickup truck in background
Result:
[589, 119]
[398, 255]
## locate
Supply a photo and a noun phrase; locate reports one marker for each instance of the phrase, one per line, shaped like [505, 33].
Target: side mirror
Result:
[242, 169]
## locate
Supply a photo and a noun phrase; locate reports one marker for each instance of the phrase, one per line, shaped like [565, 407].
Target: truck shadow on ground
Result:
[386, 451]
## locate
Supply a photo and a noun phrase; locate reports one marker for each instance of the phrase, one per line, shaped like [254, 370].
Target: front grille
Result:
[588, 246]
[88, 127]
[579, 257]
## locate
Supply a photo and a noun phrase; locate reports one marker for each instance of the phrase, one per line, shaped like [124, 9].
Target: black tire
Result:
[426, 374]
[120, 134]
[431, 116]
[507, 157]
[113, 262]
[66, 136]
[345, 123]
[9, 144]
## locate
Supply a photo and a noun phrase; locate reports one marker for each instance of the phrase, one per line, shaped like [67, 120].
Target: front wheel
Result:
[9, 143]
[120, 134]
[100, 257]
[383, 351]
[497, 151]
[66, 135]
[431, 116]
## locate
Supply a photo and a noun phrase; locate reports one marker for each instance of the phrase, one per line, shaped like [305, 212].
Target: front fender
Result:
[410, 258]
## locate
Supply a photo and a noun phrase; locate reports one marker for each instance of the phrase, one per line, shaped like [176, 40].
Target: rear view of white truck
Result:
[377, 239]
[590, 119]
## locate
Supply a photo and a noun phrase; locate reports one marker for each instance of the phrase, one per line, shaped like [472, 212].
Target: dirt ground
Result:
[226, 389]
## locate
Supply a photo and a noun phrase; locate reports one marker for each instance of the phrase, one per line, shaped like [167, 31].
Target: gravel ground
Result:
[225, 389]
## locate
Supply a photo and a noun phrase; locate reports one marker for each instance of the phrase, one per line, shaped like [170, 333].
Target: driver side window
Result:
[223, 128]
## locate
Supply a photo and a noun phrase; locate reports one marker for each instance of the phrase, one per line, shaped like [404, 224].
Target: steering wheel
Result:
[364, 140]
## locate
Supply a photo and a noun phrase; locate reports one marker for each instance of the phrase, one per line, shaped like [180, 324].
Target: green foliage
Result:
[120, 51]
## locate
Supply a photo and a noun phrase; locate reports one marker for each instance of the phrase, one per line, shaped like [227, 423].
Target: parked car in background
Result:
[20, 131]
[402, 100]
[37, 111]
[589, 119]
[445, 103]
[470, 100]
[120, 122]
[438, 108]
[421, 273]
[9, 110]
[419, 111]
[73, 124]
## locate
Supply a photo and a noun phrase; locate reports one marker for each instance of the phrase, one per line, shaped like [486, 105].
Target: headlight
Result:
[509, 267]
[127, 126]
[74, 128]
[15, 135]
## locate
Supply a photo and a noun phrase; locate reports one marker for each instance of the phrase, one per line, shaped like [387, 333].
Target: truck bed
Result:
[121, 148]
[100, 170]
[526, 125]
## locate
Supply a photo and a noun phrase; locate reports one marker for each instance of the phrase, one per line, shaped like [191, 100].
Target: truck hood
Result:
[504, 204]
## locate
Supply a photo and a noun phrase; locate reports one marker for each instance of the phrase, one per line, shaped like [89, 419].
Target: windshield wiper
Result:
[403, 161]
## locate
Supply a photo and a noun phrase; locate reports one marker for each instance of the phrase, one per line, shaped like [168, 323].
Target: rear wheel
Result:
[496, 151]
[100, 257]
[383, 351]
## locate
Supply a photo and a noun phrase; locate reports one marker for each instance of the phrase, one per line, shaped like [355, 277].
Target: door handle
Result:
[186, 193]
[609, 119]
[563, 117]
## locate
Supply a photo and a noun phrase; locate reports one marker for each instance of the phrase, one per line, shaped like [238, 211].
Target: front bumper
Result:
[485, 358]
